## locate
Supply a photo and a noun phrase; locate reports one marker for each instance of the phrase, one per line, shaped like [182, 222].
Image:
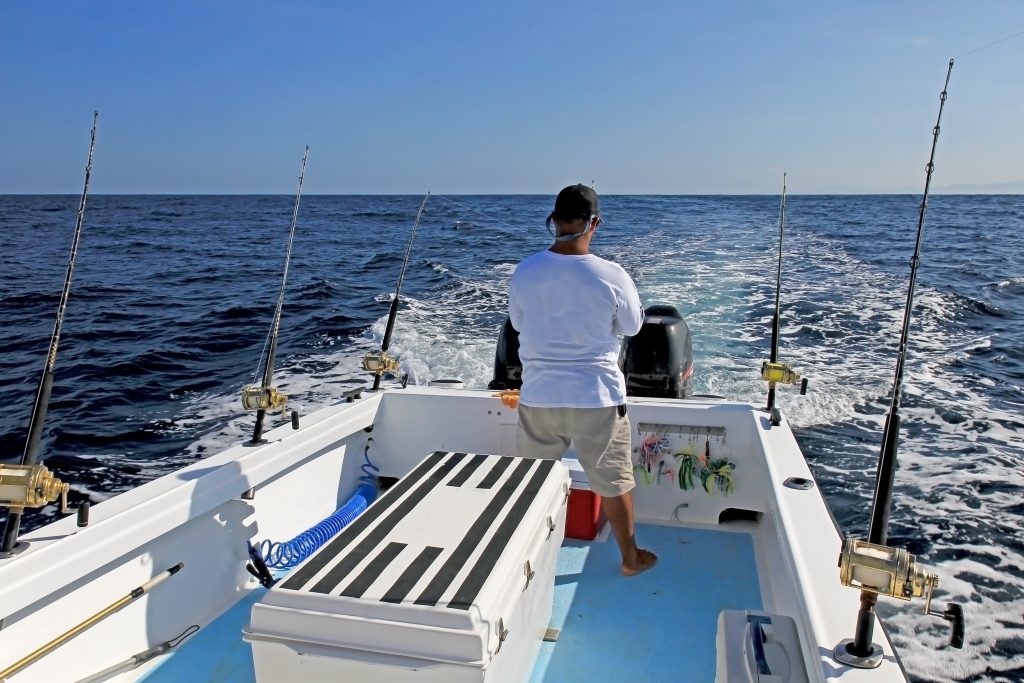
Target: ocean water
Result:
[173, 296]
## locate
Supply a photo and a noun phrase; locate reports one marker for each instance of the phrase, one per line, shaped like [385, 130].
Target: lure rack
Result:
[687, 457]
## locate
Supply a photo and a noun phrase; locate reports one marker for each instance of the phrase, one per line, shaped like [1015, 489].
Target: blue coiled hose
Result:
[287, 554]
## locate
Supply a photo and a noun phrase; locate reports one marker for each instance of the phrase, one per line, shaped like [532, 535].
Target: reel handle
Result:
[954, 614]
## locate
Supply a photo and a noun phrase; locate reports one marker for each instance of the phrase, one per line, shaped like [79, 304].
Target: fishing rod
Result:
[872, 566]
[76, 630]
[31, 484]
[379, 362]
[263, 397]
[772, 371]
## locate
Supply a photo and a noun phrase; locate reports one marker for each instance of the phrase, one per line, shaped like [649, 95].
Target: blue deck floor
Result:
[659, 626]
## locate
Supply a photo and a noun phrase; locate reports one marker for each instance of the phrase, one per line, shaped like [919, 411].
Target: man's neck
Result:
[577, 247]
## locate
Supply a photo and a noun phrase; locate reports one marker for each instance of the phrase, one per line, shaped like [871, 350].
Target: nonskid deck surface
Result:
[659, 626]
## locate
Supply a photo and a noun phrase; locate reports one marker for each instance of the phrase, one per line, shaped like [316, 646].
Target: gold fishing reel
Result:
[31, 486]
[885, 571]
[779, 373]
[894, 572]
[379, 363]
[256, 397]
[782, 373]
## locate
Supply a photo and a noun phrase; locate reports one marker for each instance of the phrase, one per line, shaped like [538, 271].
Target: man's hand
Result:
[509, 397]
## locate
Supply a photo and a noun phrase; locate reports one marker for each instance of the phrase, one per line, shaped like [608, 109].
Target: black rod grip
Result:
[35, 430]
[257, 432]
[392, 314]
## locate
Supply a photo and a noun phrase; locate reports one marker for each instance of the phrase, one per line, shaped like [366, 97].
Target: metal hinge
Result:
[551, 527]
[530, 573]
[502, 635]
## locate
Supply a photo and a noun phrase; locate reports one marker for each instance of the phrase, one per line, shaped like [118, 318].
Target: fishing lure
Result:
[638, 468]
[718, 475]
[663, 469]
[652, 451]
[687, 465]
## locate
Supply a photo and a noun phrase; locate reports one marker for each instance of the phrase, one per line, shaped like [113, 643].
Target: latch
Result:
[530, 573]
[502, 635]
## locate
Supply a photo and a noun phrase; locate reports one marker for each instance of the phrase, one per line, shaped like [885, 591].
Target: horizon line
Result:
[507, 194]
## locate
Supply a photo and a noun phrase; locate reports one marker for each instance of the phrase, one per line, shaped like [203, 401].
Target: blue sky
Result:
[219, 96]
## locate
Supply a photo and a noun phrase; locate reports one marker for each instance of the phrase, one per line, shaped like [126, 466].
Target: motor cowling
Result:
[658, 361]
[508, 369]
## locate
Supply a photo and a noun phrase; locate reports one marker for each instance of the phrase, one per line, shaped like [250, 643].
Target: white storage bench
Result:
[447, 577]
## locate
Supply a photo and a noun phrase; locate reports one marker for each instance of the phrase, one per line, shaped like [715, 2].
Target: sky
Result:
[677, 97]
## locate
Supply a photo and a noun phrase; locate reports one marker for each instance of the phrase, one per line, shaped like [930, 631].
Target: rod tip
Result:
[176, 568]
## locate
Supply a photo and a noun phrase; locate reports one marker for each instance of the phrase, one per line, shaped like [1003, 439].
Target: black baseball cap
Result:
[575, 201]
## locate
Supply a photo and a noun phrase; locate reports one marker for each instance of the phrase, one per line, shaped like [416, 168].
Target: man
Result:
[570, 307]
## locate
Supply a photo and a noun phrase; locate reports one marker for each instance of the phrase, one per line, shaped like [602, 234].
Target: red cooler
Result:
[583, 518]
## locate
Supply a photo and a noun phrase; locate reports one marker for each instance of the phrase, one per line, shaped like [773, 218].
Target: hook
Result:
[175, 642]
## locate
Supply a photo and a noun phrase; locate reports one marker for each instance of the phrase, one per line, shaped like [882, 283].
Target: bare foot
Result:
[643, 561]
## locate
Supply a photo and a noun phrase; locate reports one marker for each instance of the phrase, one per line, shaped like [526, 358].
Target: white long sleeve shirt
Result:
[569, 312]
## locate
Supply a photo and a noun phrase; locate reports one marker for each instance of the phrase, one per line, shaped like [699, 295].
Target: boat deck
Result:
[658, 626]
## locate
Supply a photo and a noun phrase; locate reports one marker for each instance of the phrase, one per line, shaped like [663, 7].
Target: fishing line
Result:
[408, 248]
[985, 47]
[479, 213]
[490, 218]
[619, 205]
[259, 363]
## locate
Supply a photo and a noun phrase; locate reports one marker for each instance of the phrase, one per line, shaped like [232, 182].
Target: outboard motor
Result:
[658, 361]
[508, 369]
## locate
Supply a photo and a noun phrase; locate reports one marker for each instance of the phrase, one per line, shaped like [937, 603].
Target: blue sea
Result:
[173, 296]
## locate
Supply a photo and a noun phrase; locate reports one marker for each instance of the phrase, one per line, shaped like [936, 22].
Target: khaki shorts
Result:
[601, 435]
